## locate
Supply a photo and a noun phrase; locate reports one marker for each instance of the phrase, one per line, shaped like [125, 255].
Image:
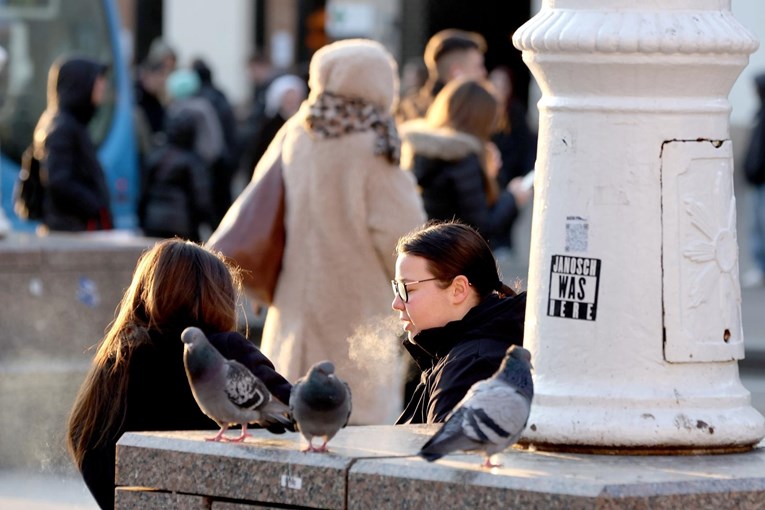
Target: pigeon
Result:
[492, 414]
[225, 390]
[320, 403]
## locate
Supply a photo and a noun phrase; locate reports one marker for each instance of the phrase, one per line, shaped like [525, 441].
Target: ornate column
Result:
[634, 314]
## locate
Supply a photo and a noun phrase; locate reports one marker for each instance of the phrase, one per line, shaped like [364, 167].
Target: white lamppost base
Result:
[634, 303]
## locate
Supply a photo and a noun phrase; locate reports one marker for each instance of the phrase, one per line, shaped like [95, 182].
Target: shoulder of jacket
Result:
[442, 143]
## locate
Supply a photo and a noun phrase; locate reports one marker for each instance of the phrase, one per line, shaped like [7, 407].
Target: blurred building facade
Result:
[289, 31]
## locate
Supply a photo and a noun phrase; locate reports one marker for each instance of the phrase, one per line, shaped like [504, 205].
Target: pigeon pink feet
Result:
[244, 435]
[311, 448]
[488, 464]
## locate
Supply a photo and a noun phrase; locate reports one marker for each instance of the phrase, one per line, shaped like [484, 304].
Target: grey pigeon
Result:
[226, 390]
[320, 404]
[492, 415]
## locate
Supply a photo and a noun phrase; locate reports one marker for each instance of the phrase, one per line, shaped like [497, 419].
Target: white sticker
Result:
[577, 233]
[292, 482]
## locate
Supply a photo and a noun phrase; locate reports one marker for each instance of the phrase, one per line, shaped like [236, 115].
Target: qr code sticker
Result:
[576, 236]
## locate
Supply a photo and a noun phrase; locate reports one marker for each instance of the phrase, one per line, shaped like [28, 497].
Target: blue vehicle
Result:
[34, 33]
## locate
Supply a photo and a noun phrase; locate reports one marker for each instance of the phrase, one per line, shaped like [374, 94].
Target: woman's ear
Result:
[460, 289]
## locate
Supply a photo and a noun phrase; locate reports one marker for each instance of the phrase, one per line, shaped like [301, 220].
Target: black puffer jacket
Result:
[176, 195]
[77, 197]
[448, 171]
[159, 398]
[454, 357]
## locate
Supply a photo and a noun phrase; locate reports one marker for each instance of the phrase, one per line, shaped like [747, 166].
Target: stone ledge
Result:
[374, 468]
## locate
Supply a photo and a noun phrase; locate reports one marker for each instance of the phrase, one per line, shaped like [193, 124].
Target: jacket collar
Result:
[442, 143]
[494, 317]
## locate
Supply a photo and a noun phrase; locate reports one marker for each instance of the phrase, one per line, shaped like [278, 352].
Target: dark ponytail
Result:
[453, 248]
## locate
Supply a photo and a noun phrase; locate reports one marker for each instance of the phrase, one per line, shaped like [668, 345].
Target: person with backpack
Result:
[176, 198]
[76, 196]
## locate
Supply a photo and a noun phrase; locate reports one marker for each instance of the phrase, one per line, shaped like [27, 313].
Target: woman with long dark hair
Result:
[137, 379]
[451, 154]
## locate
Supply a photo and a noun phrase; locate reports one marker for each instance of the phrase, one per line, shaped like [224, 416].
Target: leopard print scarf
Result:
[332, 116]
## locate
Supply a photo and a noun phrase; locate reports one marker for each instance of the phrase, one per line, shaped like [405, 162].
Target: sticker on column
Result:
[574, 287]
[577, 233]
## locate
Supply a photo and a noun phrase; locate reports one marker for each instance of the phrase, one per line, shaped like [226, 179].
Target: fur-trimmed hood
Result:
[441, 143]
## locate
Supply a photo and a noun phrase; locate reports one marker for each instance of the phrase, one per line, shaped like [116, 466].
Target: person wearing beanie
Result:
[76, 192]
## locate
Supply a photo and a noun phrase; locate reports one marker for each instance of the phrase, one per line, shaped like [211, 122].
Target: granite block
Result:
[266, 468]
[530, 479]
[138, 498]
[228, 505]
[376, 468]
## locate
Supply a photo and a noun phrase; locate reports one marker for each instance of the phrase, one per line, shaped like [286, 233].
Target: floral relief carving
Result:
[716, 252]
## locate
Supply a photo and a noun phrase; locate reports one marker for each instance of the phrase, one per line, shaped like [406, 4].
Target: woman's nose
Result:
[398, 303]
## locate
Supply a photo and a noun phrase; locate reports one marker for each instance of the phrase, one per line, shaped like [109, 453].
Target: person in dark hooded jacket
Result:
[224, 167]
[459, 317]
[77, 196]
[175, 196]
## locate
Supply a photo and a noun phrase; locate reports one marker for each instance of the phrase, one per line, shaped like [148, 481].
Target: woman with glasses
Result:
[459, 316]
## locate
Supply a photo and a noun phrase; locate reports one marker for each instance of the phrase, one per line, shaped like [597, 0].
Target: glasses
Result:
[399, 288]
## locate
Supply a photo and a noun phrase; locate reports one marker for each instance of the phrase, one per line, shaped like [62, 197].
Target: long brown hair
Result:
[471, 107]
[452, 248]
[175, 284]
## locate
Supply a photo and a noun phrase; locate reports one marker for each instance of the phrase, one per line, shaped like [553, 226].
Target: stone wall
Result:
[57, 296]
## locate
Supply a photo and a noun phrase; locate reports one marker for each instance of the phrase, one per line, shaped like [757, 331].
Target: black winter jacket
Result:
[159, 398]
[77, 197]
[456, 356]
[176, 196]
[450, 177]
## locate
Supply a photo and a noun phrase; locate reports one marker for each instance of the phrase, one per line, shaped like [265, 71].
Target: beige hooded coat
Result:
[345, 210]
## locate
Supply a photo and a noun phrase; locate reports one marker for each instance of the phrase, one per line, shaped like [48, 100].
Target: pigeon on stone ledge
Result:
[320, 404]
[226, 390]
[491, 416]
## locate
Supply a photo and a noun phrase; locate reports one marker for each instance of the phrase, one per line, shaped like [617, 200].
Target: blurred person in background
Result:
[516, 141]
[76, 194]
[449, 54]
[261, 74]
[183, 87]
[456, 165]
[175, 193]
[347, 203]
[414, 74]
[224, 167]
[164, 54]
[754, 169]
[150, 95]
[149, 110]
[283, 99]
